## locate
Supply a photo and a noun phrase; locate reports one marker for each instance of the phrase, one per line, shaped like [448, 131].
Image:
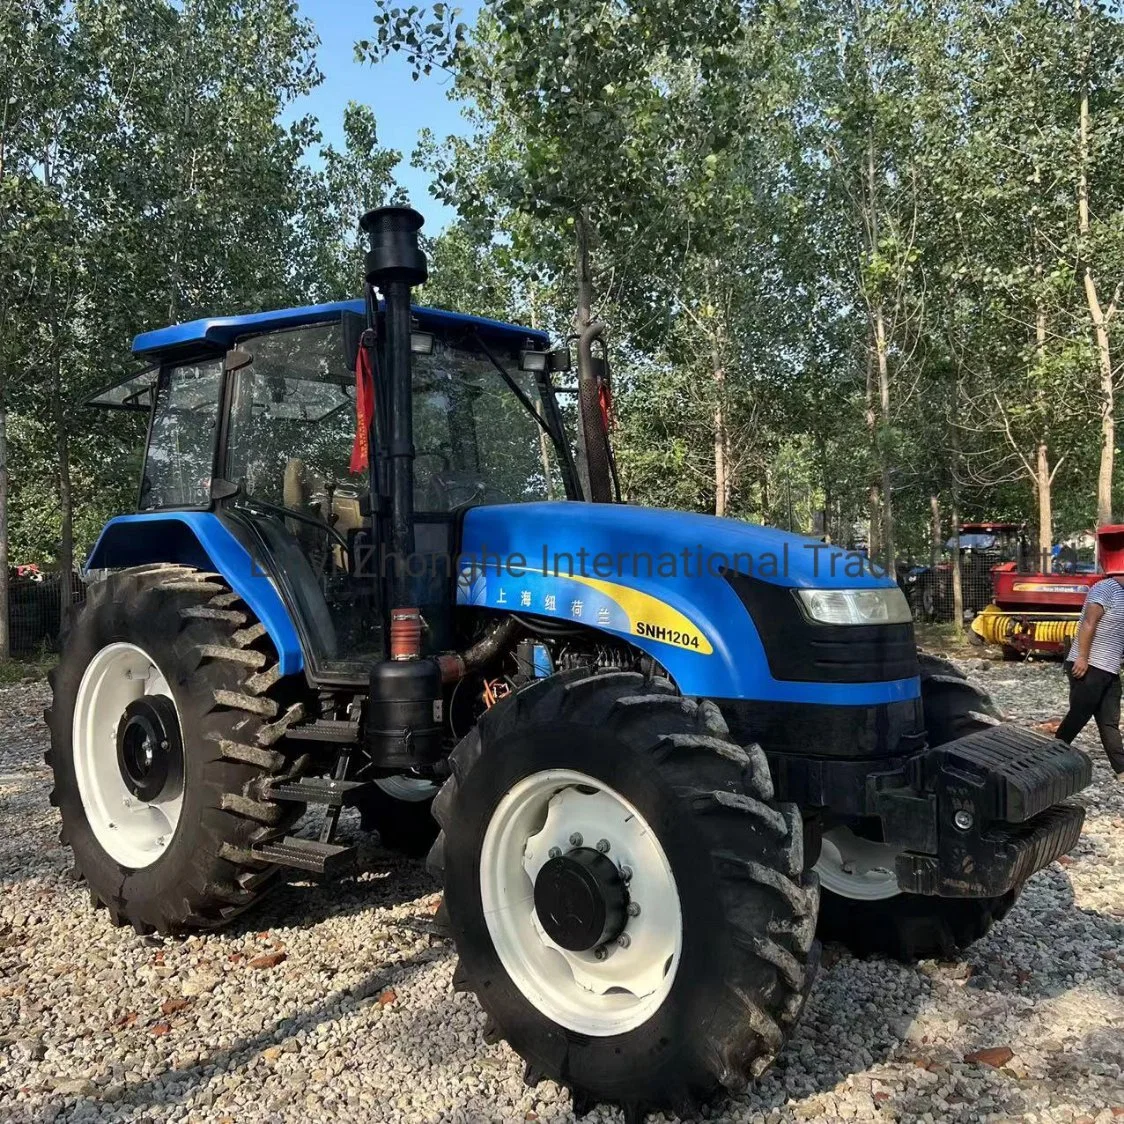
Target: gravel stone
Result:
[82, 1004]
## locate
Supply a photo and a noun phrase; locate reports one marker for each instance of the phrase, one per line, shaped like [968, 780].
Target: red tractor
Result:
[1038, 612]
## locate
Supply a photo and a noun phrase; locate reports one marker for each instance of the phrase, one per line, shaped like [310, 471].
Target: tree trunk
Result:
[66, 506]
[546, 446]
[1107, 403]
[584, 279]
[5, 636]
[1097, 314]
[721, 444]
[954, 529]
[934, 530]
[957, 583]
[883, 459]
[1043, 486]
[874, 535]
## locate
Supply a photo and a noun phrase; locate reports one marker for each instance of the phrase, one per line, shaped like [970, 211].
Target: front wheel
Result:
[399, 808]
[861, 905]
[628, 902]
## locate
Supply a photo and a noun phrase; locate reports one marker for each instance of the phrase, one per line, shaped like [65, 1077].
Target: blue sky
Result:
[402, 107]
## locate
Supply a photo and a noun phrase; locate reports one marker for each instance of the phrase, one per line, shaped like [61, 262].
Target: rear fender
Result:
[202, 540]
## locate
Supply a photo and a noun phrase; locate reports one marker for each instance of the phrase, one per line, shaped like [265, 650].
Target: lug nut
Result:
[963, 820]
[555, 852]
[600, 953]
[626, 872]
[576, 839]
[634, 909]
[624, 940]
[603, 845]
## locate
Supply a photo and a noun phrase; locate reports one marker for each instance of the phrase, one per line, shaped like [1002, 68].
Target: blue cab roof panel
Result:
[222, 331]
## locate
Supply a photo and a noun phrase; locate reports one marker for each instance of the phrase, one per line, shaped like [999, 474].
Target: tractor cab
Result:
[255, 418]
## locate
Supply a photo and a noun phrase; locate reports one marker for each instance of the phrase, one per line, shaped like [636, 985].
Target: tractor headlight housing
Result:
[855, 606]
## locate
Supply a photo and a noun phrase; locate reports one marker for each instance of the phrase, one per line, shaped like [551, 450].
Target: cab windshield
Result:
[475, 440]
[287, 463]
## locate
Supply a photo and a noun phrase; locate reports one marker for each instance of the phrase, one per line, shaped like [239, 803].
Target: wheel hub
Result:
[581, 899]
[148, 746]
[128, 755]
[591, 935]
[857, 868]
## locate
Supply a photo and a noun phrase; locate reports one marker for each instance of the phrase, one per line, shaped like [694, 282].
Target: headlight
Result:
[855, 606]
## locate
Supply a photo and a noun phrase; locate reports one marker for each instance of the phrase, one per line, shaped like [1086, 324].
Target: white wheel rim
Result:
[133, 832]
[410, 790]
[575, 989]
[857, 868]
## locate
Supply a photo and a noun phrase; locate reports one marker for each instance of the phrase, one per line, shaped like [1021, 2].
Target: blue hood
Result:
[657, 577]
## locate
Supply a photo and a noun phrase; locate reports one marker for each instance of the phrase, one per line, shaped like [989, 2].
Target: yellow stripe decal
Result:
[651, 618]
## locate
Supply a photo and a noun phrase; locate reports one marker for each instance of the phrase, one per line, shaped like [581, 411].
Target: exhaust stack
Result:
[395, 264]
[404, 727]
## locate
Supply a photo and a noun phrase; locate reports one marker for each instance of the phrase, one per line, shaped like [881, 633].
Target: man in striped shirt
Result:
[1093, 668]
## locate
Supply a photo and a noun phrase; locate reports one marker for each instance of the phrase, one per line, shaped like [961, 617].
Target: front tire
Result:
[860, 905]
[701, 985]
[166, 710]
[400, 810]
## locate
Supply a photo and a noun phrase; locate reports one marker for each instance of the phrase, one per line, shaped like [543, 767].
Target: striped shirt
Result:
[1107, 648]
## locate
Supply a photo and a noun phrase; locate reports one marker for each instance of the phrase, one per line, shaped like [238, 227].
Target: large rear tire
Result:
[860, 905]
[711, 968]
[167, 706]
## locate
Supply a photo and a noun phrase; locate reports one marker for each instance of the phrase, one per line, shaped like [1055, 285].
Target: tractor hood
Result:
[678, 586]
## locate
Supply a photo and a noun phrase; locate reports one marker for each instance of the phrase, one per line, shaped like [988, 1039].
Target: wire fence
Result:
[35, 610]
[930, 590]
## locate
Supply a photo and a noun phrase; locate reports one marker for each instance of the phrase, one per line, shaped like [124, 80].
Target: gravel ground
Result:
[335, 1003]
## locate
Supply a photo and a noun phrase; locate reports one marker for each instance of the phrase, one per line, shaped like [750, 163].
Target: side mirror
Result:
[559, 360]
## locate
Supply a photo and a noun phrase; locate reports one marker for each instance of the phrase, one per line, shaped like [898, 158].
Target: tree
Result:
[349, 182]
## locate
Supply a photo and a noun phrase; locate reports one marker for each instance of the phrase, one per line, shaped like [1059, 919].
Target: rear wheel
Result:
[628, 902]
[861, 905]
[167, 705]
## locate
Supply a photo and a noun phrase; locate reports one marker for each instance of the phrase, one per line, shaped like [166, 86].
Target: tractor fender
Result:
[202, 540]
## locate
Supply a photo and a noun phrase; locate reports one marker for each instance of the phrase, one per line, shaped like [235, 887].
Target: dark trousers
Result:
[1095, 695]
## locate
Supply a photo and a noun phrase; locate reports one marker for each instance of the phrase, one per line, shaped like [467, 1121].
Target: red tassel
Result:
[364, 409]
[605, 398]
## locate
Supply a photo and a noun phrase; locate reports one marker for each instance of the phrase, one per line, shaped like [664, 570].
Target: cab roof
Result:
[221, 331]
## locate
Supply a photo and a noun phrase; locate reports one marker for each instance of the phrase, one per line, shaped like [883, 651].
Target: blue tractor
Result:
[651, 753]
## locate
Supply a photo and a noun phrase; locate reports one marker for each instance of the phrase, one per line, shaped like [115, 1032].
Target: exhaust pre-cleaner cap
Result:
[394, 254]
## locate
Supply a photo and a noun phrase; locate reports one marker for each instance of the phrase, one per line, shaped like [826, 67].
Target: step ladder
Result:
[321, 856]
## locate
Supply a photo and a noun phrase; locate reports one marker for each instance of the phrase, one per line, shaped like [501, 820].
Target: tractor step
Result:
[336, 730]
[318, 790]
[306, 854]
